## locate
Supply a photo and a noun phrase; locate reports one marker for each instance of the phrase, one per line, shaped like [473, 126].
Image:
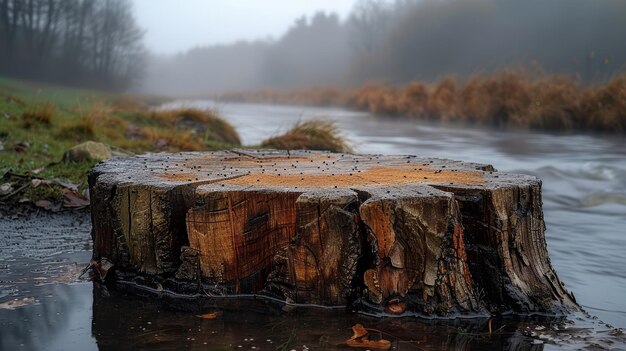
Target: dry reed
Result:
[507, 99]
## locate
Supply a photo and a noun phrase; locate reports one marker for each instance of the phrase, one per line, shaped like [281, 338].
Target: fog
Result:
[197, 47]
[82, 43]
[396, 42]
[313, 52]
[174, 26]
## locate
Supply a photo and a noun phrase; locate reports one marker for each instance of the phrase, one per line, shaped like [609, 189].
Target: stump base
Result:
[392, 234]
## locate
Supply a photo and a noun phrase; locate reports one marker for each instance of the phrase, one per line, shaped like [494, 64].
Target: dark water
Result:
[585, 210]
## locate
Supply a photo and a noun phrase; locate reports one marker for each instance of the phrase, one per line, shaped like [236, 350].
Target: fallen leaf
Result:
[45, 204]
[17, 303]
[73, 199]
[66, 183]
[6, 188]
[37, 182]
[360, 339]
[210, 315]
[48, 205]
[358, 331]
[365, 343]
[37, 170]
[22, 146]
[102, 267]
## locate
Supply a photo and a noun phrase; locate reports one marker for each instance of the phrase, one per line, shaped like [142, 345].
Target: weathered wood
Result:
[398, 234]
[418, 239]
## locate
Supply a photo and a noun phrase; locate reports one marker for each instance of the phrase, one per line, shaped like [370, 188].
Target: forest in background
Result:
[396, 42]
[98, 44]
[85, 43]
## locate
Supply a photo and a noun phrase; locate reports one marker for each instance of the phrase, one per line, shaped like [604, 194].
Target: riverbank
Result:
[507, 100]
[40, 123]
[51, 136]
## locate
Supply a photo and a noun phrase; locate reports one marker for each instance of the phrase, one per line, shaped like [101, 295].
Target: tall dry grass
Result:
[207, 123]
[310, 135]
[507, 99]
[39, 115]
[83, 129]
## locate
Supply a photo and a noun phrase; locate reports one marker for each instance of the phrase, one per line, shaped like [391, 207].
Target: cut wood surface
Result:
[392, 234]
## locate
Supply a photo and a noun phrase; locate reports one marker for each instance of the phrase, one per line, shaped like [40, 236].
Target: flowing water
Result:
[584, 194]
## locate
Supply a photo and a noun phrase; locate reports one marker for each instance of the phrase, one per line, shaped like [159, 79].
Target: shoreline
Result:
[505, 100]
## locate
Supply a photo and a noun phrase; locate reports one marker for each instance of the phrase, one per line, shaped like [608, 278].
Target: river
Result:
[584, 194]
[584, 183]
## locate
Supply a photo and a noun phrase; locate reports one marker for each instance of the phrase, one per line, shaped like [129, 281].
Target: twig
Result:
[16, 191]
[85, 270]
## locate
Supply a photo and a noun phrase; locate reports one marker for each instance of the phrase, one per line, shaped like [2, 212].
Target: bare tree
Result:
[81, 42]
[368, 23]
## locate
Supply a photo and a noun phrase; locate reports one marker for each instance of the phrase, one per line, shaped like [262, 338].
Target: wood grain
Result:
[389, 234]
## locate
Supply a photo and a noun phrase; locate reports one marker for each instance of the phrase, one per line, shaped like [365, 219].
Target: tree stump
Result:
[392, 234]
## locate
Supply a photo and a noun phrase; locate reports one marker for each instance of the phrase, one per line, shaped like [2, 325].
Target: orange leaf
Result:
[358, 331]
[359, 339]
[210, 315]
[381, 344]
[396, 308]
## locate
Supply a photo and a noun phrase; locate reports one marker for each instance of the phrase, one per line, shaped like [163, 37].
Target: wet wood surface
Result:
[392, 234]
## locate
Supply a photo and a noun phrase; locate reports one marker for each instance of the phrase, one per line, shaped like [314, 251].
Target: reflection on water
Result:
[61, 321]
[88, 316]
[585, 211]
[251, 324]
[35, 255]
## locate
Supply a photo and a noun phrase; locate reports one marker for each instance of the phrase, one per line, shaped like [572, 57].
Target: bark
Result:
[393, 234]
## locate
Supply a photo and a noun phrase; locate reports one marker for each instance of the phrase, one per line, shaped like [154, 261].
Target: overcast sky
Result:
[177, 25]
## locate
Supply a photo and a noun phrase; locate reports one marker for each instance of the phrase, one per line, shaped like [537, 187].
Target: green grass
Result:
[52, 119]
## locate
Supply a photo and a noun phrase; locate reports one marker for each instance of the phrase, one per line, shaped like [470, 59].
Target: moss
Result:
[50, 192]
[441, 309]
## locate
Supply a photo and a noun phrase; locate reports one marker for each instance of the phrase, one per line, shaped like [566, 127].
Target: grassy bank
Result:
[39, 123]
[510, 99]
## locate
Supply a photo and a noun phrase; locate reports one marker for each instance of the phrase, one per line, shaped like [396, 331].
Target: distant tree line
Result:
[75, 42]
[314, 51]
[404, 40]
[426, 39]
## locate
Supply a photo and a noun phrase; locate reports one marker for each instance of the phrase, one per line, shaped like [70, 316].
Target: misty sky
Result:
[177, 25]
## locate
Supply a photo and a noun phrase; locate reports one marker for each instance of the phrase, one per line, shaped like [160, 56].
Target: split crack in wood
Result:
[394, 234]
